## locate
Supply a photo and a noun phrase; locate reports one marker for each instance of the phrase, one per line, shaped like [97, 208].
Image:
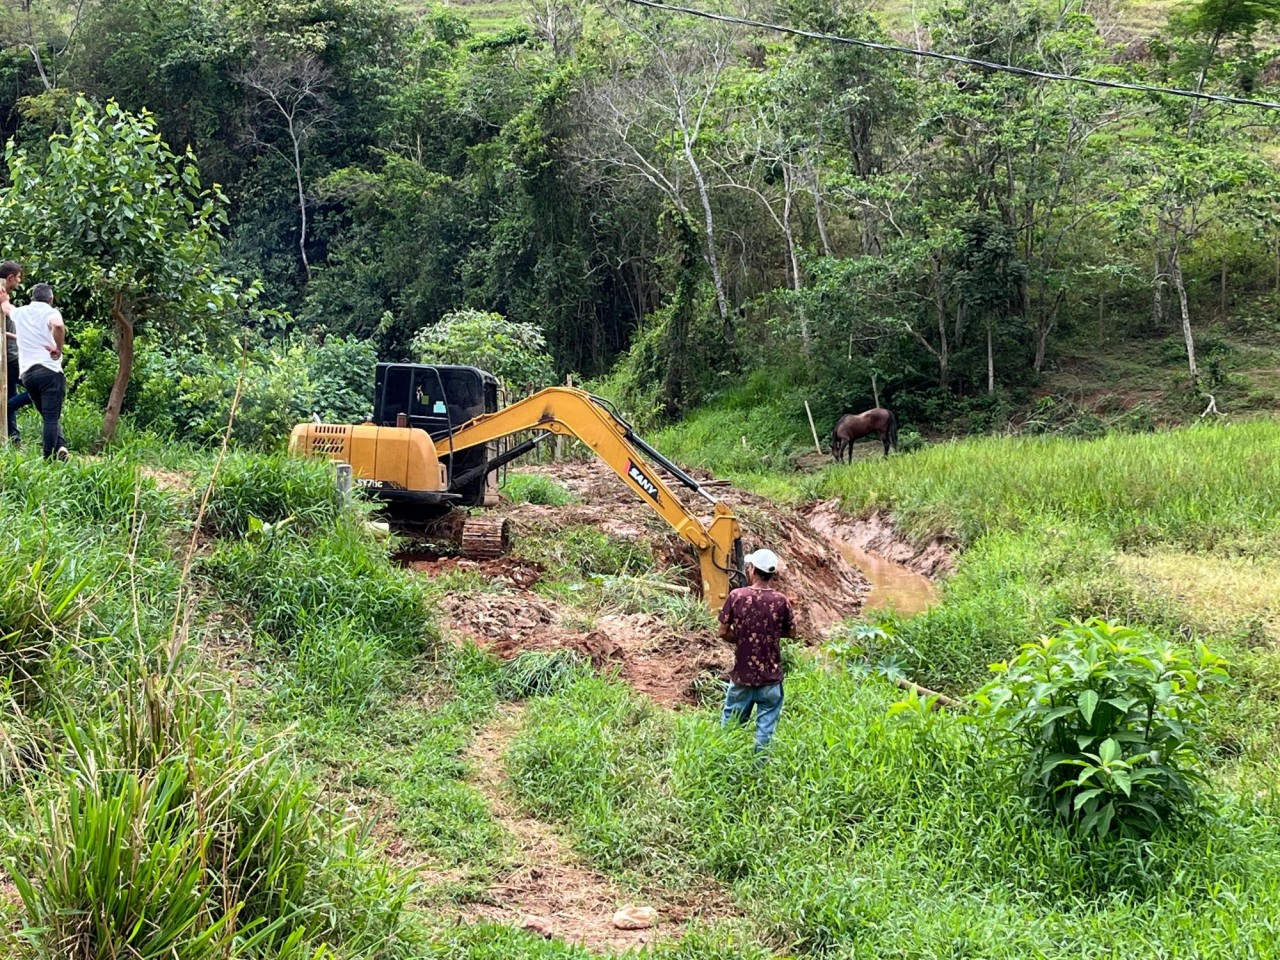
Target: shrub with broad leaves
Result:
[1106, 724]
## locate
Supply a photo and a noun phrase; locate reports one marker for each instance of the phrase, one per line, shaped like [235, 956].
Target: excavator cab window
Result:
[438, 399]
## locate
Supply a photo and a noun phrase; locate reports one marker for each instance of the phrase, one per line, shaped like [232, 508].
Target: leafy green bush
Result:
[272, 488]
[1107, 723]
[187, 390]
[514, 352]
[537, 489]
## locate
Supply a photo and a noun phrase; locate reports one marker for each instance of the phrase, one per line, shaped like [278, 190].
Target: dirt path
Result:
[551, 885]
[10, 901]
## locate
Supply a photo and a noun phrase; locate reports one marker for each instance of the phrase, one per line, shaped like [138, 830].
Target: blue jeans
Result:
[738, 702]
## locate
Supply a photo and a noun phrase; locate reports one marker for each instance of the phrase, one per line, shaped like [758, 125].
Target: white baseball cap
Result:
[766, 561]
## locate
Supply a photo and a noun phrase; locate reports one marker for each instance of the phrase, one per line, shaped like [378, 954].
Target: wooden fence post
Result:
[816, 445]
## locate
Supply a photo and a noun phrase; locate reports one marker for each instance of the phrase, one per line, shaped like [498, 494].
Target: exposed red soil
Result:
[664, 662]
[823, 587]
[656, 659]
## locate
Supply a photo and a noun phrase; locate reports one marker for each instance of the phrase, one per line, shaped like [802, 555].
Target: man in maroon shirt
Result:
[755, 618]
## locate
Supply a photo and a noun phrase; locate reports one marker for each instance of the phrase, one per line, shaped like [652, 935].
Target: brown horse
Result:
[855, 426]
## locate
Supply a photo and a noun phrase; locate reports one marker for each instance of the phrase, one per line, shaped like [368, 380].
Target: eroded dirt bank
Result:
[657, 653]
[875, 534]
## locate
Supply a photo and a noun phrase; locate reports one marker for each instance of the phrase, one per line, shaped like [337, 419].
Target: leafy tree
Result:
[514, 352]
[174, 58]
[1201, 163]
[122, 228]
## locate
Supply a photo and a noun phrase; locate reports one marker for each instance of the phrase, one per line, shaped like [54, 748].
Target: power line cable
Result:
[957, 58]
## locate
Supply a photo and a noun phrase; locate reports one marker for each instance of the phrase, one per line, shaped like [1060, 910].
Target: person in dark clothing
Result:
[755, 618]
[10, 279]
[41, 337]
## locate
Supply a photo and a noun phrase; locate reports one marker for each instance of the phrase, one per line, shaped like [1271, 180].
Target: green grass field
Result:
[266, 748]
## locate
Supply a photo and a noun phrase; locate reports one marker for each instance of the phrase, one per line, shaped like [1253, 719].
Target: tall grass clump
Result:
[329, 608]
[103, 492]
[537, 489]
[41, 599]
[272, 488]
[582, 551]
[1199, 487]
[536, 673]
[294, 583]
[163, 830]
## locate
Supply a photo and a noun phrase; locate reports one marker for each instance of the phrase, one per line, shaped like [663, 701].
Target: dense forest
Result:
[620, 190]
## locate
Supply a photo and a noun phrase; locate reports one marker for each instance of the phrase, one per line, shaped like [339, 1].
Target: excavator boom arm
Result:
[570, 412]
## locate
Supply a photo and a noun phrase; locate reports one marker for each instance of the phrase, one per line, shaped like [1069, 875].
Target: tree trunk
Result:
[819, 214]
[940, 310]
[1046, 320]
[302, 198]
[1222, 304]
[1175, 270]
[789, 234]
[991, 362]
[1157, 297]
[1042, 347]
[124, 351]
[713, 261]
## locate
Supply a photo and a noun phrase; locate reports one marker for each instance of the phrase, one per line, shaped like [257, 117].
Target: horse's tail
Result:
[893, 430]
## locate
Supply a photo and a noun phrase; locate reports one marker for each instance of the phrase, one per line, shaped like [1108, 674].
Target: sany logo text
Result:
[644, 483]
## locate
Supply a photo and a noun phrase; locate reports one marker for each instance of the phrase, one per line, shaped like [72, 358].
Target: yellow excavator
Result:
[439, 434]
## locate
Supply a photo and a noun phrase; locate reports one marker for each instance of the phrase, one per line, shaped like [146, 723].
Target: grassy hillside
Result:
[1118, 20]
[280, 745]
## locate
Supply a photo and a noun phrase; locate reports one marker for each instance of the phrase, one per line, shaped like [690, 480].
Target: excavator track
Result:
[484, 538]
[478, 538]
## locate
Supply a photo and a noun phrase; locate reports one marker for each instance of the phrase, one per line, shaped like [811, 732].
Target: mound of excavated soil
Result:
[823, 587]
[653, 657]
[660, 660]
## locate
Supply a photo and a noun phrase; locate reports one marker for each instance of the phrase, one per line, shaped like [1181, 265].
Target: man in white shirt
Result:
[41, 335]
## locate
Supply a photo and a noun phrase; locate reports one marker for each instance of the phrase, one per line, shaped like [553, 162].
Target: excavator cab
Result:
[440, 399]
